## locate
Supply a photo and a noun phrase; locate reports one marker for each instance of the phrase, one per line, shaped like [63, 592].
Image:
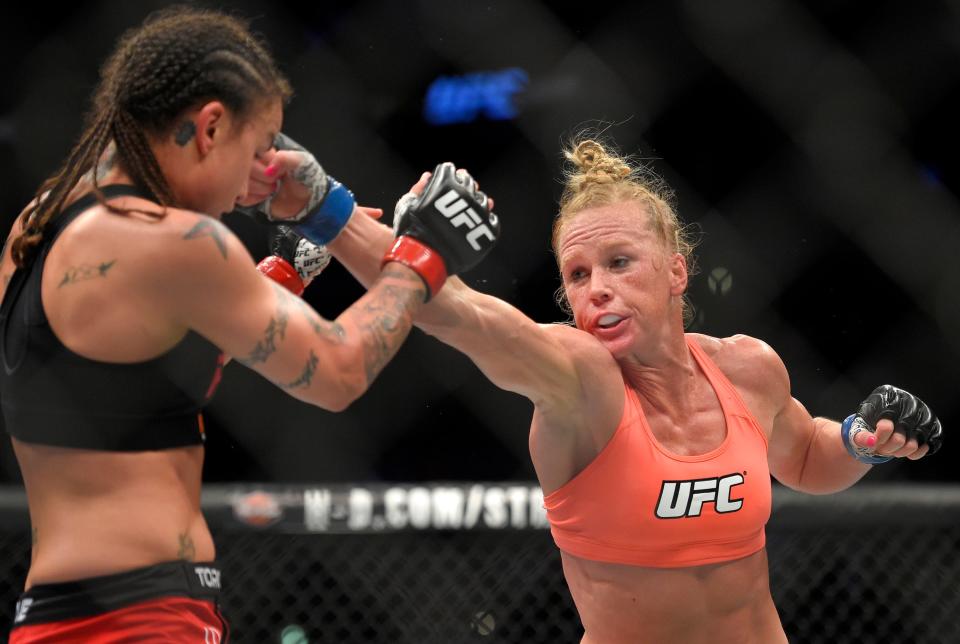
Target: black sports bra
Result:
[51, 395]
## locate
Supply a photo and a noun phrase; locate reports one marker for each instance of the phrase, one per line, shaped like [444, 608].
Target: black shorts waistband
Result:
[96, 595]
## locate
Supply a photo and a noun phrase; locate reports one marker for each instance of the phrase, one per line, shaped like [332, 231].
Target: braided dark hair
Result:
[179, 57]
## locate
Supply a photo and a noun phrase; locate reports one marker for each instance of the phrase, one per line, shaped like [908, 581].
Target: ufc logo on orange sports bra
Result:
[686, 498]
[459, 213]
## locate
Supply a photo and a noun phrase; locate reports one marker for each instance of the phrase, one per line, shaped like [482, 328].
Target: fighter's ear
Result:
[211, 123]
[677, 264]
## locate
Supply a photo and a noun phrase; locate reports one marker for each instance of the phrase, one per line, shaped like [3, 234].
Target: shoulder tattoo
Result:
[85, 272]
[208, 227]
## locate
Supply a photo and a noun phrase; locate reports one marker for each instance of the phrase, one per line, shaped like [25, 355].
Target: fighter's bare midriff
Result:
[725, 603]
[98, 513]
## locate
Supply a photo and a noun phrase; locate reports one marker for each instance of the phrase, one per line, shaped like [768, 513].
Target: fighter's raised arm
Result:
[564, 372]
[653, 446]
[122, 293]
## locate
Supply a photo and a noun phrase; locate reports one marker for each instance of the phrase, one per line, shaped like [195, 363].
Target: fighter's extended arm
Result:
[513, 351]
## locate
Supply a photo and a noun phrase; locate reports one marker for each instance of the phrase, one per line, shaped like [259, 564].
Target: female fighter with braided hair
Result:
[653, 446]
[121, 294]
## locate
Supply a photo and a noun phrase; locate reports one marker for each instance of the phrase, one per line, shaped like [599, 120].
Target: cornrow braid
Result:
[180, 56]
[134, 153]
[53, 192]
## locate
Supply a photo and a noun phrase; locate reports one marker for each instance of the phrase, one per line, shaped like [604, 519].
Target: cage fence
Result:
[474, 563]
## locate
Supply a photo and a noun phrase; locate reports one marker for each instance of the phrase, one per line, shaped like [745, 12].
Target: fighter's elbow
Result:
[345, 389]
[333, 388]
[350, 377]
[821, 490]
[811, 483]
[338, 404]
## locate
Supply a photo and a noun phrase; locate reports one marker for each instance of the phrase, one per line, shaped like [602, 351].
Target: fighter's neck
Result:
[664, 376]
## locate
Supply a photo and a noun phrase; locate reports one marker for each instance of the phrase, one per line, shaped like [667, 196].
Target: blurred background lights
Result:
[720, 280]
[293, 634]
[462, 99]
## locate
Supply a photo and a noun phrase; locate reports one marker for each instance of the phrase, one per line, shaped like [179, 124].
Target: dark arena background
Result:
[813, 146]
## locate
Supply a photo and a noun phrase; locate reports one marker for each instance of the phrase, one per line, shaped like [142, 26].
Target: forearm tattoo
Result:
[85, 272]
[305, 378]
[187, 550]
[207, 227]
[330, 332]
[275, 332]
[387, 317]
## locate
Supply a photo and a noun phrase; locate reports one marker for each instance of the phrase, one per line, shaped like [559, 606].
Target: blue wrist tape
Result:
[324, 224]
[851, 426]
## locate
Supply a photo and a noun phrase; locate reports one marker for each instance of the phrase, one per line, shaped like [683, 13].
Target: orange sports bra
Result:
[640, 505]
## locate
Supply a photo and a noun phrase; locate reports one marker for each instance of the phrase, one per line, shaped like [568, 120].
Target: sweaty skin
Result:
[126, 288]
[621, 603]
[95, 512]
[612, 263]
[726, 602]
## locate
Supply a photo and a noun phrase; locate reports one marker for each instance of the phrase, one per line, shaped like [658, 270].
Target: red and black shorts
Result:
[169, 602]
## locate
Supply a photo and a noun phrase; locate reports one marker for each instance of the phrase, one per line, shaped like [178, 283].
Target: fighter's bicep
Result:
[546, 363]
[791, 438]
[218, 293]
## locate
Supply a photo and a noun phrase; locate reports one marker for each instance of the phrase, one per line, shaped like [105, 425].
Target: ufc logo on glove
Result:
[454, 208]
[427, 227]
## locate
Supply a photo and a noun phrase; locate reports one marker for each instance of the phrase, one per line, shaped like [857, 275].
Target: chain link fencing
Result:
[387, 565]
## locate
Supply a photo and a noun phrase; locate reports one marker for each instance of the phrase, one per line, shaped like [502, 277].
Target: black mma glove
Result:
[910, 416]
[445, 230]
[295, 260]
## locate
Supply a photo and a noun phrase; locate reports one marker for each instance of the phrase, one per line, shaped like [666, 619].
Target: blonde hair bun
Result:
[598, 175]
[594, 165]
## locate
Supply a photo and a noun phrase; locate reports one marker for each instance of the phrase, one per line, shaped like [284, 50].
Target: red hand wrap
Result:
[281, 272]
[423, 260]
